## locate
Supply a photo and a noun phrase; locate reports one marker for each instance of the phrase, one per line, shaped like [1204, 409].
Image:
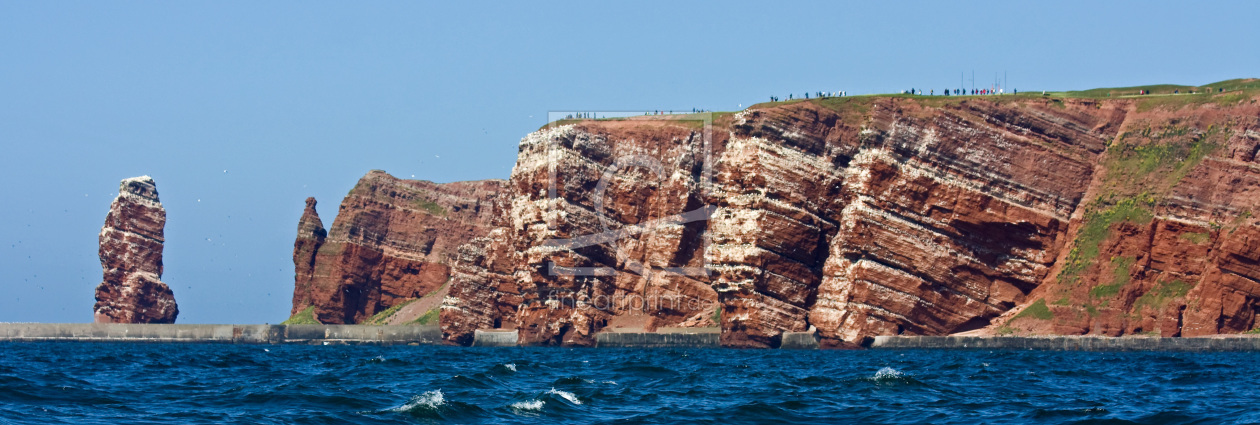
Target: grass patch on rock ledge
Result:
[1038, 310]
[428, 318]
[1120, 278]
[1158, 158]
[1096, 229]
[1159, 296]
[383, 315]
[304, 317]
[429, 206]
[1142, 165]
[1196, 238]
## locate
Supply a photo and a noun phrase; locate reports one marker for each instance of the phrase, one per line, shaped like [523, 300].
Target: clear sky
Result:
[240, 110]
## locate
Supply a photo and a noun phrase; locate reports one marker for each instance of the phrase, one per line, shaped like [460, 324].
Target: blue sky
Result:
[240, 110]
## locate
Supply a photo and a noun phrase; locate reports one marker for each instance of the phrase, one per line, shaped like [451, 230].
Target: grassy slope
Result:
[380, 317]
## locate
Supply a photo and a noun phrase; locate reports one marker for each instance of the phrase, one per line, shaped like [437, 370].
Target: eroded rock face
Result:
[530, 275]
[392, 240]
[855, 217]
[131, 257]
[310, 236]
[878, 216]
[1166, 245]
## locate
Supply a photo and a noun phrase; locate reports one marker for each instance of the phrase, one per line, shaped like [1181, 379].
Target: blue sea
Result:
[89, 383]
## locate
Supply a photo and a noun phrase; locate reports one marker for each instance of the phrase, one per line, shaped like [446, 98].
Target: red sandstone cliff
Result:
[131, 257]
[856, 217]
[509, 278]
[392, 241]
[880, 216]
[1167, 243]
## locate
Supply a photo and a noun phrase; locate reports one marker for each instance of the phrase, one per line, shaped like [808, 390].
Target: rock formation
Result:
[392, 241]
[310, 236]
[131, 257]
[876, 215]
[515, 277]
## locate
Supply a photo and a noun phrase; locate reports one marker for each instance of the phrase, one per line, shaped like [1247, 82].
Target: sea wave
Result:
[503, 369]
[528, 405]
[568, 396]
[888, 374]
[430, 400]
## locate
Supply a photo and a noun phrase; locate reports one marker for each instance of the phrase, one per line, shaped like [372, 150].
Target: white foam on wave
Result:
[429, 400]
[530, 405]
[888, 373]
[572, 398]
[510, 366]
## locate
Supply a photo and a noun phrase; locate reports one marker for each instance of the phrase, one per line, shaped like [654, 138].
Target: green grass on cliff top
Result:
[1160, 95]
[1238, 84]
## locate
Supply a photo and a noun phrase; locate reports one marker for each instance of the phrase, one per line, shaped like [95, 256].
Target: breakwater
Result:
[239, 334]
[1071, 343]
[698, 339]
[668, 337]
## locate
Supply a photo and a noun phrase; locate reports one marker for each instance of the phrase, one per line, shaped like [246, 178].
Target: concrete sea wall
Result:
[1071, 343]
[692, 338]
[496, 338]
[245, 334]
[652, 340]
[799, 341]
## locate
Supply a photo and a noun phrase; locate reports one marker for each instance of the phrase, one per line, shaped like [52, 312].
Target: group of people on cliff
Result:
[817, 94]
[912, 91]
[962, 92]
[660, 112]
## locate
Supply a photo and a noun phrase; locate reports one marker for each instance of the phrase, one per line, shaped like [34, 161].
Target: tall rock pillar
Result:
[131, 257]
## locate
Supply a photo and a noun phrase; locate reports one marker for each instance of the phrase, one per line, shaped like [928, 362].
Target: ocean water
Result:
[81, 383]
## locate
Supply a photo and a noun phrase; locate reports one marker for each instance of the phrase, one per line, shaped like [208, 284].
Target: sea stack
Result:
[131, 257]
[310, 237]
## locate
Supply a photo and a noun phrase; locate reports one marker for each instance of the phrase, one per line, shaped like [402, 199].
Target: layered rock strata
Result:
[848, 217]
[879, 216]
[604, 222]
[392, 240]
[1168, 242]
[131, 243]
